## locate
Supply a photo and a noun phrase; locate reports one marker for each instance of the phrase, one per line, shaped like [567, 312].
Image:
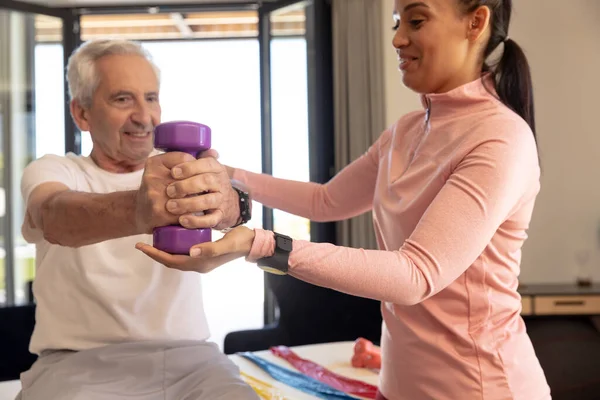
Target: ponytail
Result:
[513, 82]
[512, 74]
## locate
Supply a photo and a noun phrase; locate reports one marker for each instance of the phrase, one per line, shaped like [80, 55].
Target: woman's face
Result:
[438, 45]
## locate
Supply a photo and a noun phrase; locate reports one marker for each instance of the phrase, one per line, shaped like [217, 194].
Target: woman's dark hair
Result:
[512, 74]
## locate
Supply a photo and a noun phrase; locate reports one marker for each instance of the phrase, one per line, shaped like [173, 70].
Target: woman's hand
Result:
[205, 257]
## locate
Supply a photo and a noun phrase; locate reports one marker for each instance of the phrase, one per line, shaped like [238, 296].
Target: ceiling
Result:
[88, 3]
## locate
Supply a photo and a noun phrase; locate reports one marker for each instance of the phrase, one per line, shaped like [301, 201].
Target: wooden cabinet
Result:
[560, 300]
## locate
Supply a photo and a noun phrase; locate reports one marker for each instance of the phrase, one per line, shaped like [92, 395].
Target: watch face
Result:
[284, 242]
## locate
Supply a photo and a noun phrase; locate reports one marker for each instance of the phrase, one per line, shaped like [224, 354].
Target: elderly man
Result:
[111, 323]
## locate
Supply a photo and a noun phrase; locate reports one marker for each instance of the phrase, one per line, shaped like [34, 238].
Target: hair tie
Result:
[506, 39]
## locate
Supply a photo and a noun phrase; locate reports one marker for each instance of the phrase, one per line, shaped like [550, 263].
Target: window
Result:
[29, 127]
[33, 122]
[210, 75]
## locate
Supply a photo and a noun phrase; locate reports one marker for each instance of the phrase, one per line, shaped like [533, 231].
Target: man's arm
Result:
[67, 217]
[74, 219]
[62, 215]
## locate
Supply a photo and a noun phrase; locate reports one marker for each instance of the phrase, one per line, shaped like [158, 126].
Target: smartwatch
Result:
[278, 262]
[245, 207]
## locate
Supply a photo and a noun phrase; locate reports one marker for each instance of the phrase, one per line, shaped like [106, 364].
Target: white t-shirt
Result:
[107, 292]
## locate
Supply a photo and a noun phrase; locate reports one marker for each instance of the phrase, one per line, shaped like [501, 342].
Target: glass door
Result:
[285, 115]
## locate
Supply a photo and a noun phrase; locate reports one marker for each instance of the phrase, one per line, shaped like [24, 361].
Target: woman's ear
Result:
[478, 21]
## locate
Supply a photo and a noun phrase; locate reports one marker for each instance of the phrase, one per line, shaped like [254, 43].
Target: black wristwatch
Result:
[245, 207]
[278, 262]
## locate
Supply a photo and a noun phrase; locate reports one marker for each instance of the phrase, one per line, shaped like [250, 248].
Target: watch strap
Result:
[245, 207]
[278, 263]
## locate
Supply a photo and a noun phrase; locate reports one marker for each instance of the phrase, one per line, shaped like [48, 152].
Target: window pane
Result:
[49, 100]
[32, 124]
[289, 94]
[289, 21]
[162, 26]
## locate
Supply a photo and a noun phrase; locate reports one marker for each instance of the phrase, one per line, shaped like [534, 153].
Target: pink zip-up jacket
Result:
[452, 190]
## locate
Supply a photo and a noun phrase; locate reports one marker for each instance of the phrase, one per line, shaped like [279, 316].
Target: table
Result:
[334, 356]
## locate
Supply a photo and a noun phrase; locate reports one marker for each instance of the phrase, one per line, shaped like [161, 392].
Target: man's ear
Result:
[479, 21]
[80, 115]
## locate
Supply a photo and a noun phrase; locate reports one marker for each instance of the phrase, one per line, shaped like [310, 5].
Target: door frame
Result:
[320, 109]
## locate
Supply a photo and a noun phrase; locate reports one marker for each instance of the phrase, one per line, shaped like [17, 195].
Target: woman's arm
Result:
[346, 195]
[485, 188]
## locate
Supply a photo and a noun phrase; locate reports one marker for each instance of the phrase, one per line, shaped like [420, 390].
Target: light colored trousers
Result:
[176, 370]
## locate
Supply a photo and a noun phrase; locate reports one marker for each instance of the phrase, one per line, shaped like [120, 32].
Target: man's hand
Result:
[215, 154]
[151, 199]
[218, 201]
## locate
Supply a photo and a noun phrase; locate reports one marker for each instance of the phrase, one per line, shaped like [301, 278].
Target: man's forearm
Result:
[77, 219]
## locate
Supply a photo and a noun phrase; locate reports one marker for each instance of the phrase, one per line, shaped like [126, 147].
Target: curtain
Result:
[359, 96]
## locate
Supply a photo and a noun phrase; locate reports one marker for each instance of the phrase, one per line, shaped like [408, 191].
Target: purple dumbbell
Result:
[192, 138]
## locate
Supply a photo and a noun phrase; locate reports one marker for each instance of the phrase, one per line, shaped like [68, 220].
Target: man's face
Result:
[124, 111]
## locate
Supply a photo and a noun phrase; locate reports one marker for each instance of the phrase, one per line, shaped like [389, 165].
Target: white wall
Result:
[560, 40]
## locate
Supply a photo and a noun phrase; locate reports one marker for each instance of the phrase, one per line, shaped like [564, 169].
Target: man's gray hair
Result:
[82, 76]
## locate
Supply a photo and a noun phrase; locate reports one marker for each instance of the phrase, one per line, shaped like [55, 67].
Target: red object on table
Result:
[366, 355]
[322, 374]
